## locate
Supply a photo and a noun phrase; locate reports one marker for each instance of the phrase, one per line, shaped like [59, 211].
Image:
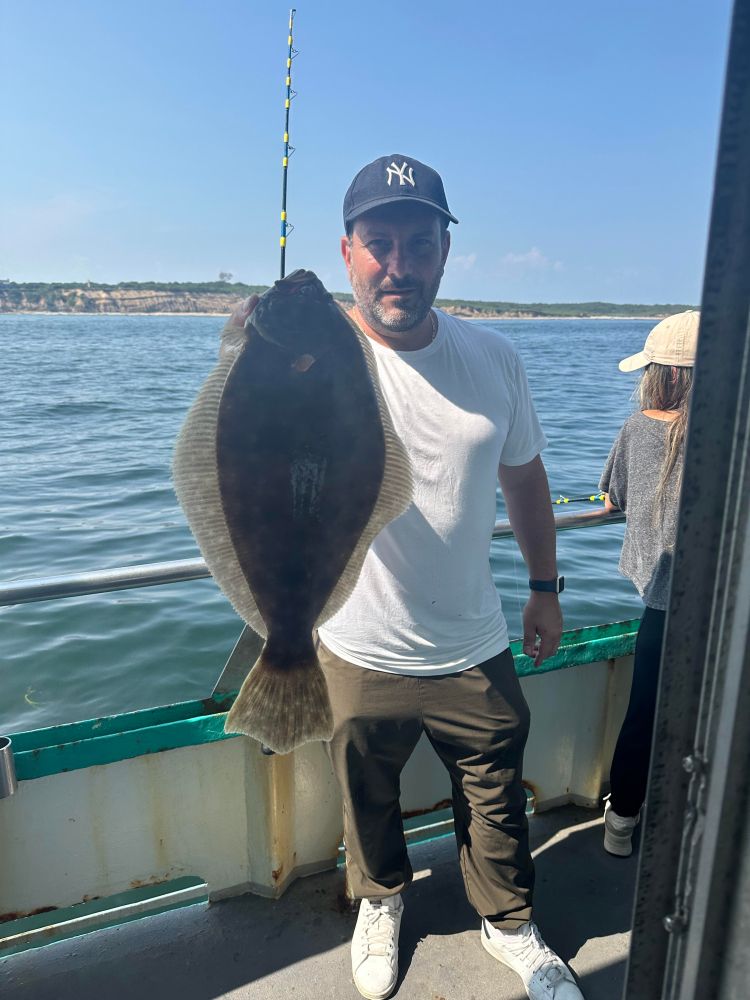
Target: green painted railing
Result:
[42, 752]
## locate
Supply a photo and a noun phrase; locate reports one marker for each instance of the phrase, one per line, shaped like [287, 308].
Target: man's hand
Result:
[242, 311]
[233, 332]
[608, 505]
[541, 617]
[527, 500]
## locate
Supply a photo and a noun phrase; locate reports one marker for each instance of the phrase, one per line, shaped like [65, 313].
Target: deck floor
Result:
[297, 948]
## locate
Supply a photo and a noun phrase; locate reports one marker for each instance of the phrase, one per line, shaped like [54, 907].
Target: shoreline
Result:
[220, 299]
[225, 315]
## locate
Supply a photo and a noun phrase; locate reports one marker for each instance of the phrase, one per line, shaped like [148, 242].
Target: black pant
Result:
[629, 773]
[477, 721]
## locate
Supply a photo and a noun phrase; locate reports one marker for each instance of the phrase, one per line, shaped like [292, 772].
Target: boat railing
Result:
[178, 571]
[217, 811]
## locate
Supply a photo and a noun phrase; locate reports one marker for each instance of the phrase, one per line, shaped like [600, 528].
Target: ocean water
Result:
[91, 409]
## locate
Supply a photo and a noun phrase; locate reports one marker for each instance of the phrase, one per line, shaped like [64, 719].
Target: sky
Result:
[142, 141]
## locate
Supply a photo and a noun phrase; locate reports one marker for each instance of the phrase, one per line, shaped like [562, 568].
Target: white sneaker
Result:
[375, 946]
[618, 832]
[544, 974]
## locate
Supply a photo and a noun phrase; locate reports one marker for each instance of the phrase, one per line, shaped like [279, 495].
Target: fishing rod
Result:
[288, 150]
[589, 499]
[286, 229]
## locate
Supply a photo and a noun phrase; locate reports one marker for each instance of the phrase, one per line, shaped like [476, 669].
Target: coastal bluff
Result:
[220, 298]
[125, 300]
[137, 301]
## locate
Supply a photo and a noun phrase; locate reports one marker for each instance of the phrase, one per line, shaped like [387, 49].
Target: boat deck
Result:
[298, 946]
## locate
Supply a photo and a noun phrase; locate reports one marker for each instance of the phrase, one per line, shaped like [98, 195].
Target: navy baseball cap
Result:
[394, 178]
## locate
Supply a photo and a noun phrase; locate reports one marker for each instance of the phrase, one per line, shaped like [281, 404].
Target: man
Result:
[421, 644]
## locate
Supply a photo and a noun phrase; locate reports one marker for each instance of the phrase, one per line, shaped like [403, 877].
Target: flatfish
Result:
[287, 466]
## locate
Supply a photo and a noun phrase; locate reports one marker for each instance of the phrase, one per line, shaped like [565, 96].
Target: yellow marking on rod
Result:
[282, 241]
[286, 137]
[285, 162]
[591, 499]
[283, 216]
[288, 80]
[288, 63]
[286, 103]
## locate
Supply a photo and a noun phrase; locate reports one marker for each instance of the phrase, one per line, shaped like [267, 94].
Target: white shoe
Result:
[544, 974]
[618, 832]
[375, 946]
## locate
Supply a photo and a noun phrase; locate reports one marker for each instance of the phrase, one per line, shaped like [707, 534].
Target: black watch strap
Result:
[554, 586]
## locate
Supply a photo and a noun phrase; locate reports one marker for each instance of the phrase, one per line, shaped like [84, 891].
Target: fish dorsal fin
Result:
[196, 482]
[396, 489]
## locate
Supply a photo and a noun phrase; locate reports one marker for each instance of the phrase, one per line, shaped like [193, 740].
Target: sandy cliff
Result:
[17, 298]
[121, 301]
[85, 300]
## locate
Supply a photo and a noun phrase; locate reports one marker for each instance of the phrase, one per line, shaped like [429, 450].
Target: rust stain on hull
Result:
[142, 883]
[19, 915]
[442, 804]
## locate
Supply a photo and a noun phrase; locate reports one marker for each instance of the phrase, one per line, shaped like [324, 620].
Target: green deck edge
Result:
[421, 829]
[582, 645]
[67, 922]
[42, 752]
[435, 824]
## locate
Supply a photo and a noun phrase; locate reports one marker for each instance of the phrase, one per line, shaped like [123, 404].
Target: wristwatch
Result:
[554, 586]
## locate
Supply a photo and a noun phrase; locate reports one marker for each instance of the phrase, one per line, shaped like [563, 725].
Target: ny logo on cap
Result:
[401, 173]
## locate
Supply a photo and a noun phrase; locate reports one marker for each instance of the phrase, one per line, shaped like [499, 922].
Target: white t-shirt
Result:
[425, 602]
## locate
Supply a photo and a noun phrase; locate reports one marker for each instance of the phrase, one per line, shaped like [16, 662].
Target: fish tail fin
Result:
[284, 701]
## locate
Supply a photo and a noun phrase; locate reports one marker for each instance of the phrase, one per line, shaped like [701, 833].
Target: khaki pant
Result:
[477, 721]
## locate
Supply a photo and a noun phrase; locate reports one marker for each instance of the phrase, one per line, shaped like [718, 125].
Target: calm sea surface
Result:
[91, 408]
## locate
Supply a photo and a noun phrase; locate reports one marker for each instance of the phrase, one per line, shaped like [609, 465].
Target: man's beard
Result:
[391, 317]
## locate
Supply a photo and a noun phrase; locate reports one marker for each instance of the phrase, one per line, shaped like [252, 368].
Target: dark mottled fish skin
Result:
[287, 467]
[298, 480]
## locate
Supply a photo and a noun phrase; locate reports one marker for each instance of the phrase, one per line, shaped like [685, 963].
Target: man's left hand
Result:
[242, 311]
[542, 617]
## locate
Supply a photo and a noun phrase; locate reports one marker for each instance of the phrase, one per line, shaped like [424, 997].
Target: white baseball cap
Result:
[671, 342]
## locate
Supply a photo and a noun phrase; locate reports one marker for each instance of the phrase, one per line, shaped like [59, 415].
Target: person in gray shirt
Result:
[642, 477]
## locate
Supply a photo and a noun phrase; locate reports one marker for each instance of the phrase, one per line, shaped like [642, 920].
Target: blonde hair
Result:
[665, 387]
